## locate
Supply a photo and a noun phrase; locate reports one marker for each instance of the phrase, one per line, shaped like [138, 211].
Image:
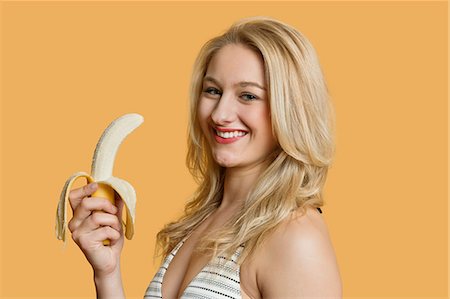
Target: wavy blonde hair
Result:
[302, 122]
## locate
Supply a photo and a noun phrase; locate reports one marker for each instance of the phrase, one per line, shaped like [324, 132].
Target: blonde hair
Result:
[302, 122]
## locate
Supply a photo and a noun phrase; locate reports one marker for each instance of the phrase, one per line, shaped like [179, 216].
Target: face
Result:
[234, 110]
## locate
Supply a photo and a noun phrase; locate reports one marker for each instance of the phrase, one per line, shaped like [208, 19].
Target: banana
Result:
[101, 172]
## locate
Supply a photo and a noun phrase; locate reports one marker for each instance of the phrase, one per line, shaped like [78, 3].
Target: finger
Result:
[86, 207]
[105, 233]
[76, 195]
[97, 236]
[99, 219]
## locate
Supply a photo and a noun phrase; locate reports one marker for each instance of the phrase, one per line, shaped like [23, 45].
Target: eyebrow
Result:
[242, 83]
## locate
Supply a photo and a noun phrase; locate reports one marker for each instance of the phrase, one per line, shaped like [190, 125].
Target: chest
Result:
[219, 278]
[186, 264]
[186, 273]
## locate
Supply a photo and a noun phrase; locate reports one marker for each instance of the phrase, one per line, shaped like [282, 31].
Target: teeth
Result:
[227, 135]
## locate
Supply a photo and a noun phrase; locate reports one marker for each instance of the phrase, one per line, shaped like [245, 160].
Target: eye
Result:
[248, 97]
[212, 91]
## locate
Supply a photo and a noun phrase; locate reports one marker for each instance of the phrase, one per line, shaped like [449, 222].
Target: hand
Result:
[94, 220]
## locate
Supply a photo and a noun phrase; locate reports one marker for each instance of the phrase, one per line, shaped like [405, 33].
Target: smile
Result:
[228, 136]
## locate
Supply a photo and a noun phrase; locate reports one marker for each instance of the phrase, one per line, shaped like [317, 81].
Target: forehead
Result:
[235, 63]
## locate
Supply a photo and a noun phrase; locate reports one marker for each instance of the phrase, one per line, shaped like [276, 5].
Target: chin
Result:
[226, 161]
[226, 164]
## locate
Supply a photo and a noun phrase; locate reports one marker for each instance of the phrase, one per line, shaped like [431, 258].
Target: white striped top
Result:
[219, 279]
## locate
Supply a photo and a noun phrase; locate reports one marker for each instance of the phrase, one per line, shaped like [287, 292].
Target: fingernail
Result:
[93, 186]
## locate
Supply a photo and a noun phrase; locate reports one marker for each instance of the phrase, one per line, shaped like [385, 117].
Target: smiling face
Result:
[233, 109]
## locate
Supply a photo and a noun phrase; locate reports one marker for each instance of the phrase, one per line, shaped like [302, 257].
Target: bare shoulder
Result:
[298, 260]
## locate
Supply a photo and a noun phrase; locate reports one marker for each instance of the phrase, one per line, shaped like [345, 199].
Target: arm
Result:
[300, 262]
[109, 286]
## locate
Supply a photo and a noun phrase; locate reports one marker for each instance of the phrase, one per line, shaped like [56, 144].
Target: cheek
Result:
[263, 126]
[266, 119]
[260, 119]
[203, 113]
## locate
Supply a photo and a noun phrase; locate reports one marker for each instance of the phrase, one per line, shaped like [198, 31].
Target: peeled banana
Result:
[101, 172]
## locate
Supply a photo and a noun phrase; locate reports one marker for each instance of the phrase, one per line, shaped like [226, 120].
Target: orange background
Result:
[69, 68]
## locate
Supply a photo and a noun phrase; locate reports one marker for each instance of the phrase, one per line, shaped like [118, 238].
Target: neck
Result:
[237, 184]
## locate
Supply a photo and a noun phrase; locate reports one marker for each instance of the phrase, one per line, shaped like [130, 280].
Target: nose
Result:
[225, 110]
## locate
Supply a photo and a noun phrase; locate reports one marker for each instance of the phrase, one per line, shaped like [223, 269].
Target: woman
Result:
[260, 145]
